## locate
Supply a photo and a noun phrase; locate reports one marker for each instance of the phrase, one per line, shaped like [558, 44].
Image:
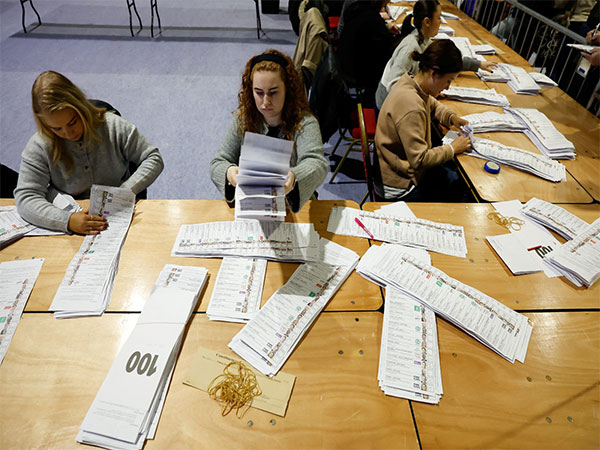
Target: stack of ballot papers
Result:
[542, 80]
[238, 290]
[497, 75]
[555, 217]
[395, 11]
[484, 49]
[579, 259]
[544, 134]
[263, 170]
[464, 45]
[493, 121]
[495, 325]
[520, 159]
[270, 337]
[444, 29]
[88, 283]
[447, 15]
[12, 226]
[474, 95]
[520, 81]
[278, 241]
[127, 407]
[17, 279]
[421, 233]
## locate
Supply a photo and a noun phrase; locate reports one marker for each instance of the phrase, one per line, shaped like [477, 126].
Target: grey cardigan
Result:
[106, 163]
[307, 161]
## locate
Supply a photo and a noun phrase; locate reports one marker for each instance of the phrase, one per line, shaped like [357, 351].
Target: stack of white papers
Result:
[544, 134]
[12, 226]
[88, 283]
[279, 241]
[269, 338]
[579, 258]
[542, 80]
[484, 49]
[16, 282]
[465, 47]
[484, 318]
[264, 166]
[435, 236]
[493, 121]
[395, 11]
[554, 217]
[474, 95]
[238, 290]
[450, 16]
[497, 75]
[127, 407]
[520, 81]
[444, 29]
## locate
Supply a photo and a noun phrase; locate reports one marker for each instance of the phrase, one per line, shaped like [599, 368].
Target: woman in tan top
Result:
[410, 168]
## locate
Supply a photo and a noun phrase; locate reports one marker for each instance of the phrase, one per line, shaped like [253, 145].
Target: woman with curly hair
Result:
[272, 101]
[77, 145]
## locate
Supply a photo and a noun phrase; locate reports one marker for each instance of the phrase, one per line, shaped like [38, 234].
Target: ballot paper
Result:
[276, 391]
[88, 282]
[488, 121]
[482, 317]
[17, 279]
[474, 95]
[519, 80]
[278, 241]
[496, 75]
[583, 47]
[12, 226]
[263, 169]
[270, 337]
[409, 359]
[579, 259]
[395, 11]
[465, 47]
[542, 80]
[555, 217]
[544, 134]
[435, 236]
[484, 49]
[130, 399]
[396, 209]
[238, 290]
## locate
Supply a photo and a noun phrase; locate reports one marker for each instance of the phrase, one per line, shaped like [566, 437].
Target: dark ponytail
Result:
[421, 10]
[442, 56]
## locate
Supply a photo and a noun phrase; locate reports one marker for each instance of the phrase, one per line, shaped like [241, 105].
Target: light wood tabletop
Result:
[148, 245]
[53, 370]
[484, 270]
[549, 402]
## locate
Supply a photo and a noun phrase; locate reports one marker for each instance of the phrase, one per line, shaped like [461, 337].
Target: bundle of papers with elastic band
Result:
[127, 407]
[488, 121]
[519, 80]
[484, 318]
[555, 217]
[279, 241]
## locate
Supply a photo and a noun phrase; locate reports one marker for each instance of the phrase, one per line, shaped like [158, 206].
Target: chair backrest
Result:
[366, 152]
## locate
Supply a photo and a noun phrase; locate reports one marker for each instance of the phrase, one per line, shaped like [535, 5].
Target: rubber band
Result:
[508, 222]
[235, 388]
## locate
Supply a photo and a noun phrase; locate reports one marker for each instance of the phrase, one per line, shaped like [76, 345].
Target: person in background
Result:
[427, 19]
[409, 168]
[77, 145]
[272, 101]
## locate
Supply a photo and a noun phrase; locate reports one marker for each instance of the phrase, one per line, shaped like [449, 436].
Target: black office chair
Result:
[8, 181]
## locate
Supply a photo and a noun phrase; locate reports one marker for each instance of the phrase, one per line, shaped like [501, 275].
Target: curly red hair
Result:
[294, 107]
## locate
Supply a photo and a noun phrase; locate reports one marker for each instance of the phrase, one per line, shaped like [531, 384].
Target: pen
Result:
[534, 248]
[360, 224]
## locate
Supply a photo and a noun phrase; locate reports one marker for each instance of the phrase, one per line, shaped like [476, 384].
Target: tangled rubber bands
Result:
[235, 388]
[507, 222]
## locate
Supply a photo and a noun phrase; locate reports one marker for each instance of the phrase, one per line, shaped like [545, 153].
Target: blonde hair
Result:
[53, 92]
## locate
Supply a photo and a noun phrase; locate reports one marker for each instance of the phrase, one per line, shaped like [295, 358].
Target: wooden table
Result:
[148, 247]
[484, 270]
[54, 369]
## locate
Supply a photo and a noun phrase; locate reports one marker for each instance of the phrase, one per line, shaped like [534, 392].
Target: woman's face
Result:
[431, 25]
[269, 95]
[440, 82]
[66, 124]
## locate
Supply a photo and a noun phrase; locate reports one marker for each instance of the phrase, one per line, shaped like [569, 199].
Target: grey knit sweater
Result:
[307, 161]
[106, 163]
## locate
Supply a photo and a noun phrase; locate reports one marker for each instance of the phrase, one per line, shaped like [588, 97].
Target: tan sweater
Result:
[403, 137]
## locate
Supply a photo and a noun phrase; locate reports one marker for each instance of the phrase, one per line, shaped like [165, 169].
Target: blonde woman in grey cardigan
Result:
[77, 145]
[272, 101]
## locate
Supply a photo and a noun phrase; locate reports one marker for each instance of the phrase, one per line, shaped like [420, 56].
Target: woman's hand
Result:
[290, 182]
[461, 144]
[84, 223]
[488, 65]
[458, 122]
[232, 173]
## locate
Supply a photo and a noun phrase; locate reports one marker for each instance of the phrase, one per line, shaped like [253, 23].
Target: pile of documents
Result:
[544, 134]
[520, 81]
[554, 217]
[12, 226]
[484, 49]
[447, 15]
[238, 290]
[542, 80]
[444, 29]
[17, 279]
[421, 233]
[269, 338]
[279, 241]
[88, 283]
[465, 47]
[493, 121]
[263, 170]
[127, 407]
[482, 317]
[497, 75]
[579, 258]
[395, 11]
[474, 95]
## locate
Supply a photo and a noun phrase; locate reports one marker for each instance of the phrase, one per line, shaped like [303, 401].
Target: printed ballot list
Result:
[438, 237]
[487, 320]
